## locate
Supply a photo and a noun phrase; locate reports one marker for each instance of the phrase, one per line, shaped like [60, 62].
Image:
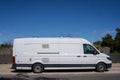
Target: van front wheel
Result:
[37, 68]
[101, 67]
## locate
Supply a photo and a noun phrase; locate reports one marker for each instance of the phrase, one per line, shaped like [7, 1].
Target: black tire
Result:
[101, 67]
[37, 68]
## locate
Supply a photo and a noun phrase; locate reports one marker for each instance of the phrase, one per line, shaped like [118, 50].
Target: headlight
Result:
[109, 58]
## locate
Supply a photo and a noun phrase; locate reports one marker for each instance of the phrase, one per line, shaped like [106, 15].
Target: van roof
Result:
[52, 40]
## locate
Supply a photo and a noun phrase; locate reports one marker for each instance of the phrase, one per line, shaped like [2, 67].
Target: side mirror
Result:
[95, 53]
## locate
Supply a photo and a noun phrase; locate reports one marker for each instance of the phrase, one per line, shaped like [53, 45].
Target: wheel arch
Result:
[37, 63]
[101, 61]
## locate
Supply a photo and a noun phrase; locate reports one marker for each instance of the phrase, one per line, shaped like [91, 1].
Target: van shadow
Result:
[21, 71]
[55, 71]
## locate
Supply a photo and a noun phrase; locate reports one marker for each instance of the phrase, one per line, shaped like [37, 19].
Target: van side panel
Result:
[32, 53]
[70, 53]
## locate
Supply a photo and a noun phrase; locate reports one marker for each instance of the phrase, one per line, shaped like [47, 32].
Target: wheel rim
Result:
[101, 67]
[37, 69]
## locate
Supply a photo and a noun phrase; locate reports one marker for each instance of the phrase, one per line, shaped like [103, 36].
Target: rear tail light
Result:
[13, 59]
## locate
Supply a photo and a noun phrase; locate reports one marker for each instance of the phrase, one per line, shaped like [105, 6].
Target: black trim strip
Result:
[58, 65]
[69, 65]
[48, 53]
[23, 65]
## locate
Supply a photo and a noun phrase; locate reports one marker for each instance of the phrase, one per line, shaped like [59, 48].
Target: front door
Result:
[90, 56]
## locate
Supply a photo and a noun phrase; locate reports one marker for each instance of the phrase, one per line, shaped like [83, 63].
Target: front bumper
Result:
[109, 65]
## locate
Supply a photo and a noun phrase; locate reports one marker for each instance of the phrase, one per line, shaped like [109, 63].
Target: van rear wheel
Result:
[101, 67]
[37, 68]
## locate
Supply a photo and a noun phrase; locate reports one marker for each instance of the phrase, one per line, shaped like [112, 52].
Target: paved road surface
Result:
[63, 77]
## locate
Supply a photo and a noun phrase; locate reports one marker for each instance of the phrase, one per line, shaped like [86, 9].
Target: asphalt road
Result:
[63, 77]
[7, 74]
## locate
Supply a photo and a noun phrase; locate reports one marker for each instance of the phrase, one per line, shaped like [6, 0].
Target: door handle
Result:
[78, 56]
[84, 56]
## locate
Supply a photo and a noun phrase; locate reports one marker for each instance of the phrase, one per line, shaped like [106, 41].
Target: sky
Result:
[89, 19]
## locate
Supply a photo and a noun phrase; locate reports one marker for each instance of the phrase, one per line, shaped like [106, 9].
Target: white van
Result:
[39, 54]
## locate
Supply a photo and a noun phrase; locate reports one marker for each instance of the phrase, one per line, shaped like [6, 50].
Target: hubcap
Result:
[37, 68]
[101, 67]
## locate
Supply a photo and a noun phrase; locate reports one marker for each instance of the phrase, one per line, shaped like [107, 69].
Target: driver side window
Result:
[88, 49]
